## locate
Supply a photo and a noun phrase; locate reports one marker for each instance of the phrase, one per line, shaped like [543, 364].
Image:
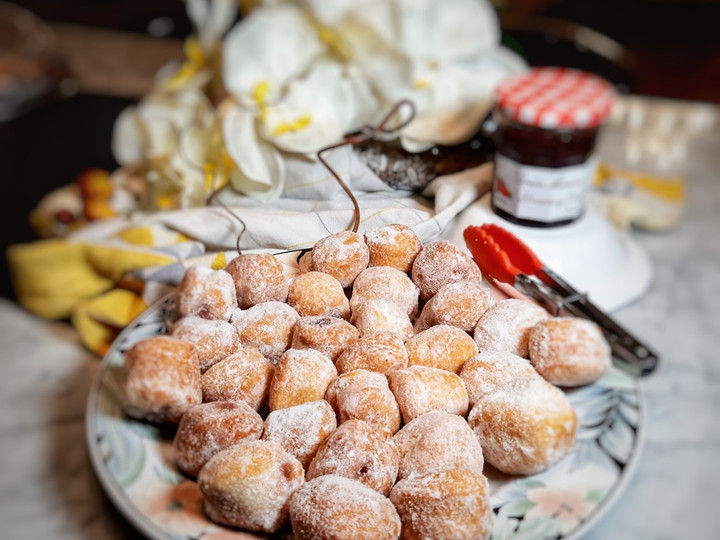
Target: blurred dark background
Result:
[664, 48]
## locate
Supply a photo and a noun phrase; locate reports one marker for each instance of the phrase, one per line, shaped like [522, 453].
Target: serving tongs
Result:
[505, 258]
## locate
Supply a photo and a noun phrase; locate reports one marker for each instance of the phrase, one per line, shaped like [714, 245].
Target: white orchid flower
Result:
[211, 18]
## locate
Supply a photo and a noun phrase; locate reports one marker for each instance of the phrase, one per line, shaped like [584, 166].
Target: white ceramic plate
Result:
[134, 461]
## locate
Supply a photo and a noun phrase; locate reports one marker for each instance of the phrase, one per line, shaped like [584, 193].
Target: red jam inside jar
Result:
[547, 122]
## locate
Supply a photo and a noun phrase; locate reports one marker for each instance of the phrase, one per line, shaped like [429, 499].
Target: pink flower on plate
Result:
[570, 506]
[177, 508]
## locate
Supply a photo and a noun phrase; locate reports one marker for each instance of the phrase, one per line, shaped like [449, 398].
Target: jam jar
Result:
[547, 121]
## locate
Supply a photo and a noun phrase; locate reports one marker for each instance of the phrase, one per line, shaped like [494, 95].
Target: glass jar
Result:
[547, 122]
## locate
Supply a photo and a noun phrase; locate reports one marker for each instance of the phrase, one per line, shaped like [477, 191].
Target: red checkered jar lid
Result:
[556, 98]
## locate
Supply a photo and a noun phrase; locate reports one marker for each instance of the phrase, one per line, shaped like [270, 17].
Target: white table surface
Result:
[48, 488]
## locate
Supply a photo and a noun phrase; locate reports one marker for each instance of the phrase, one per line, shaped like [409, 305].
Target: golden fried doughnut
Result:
[488, 370]
[243, 376]
[437, 441]
[207, 293]
[249, 485]
[506, 326]
[329, 335]
[162, 379]
[301, 375]
[267, 326]
[421, 389]
[209, 428]
[569, 351]
[365, 395]
[393, 245]
[443, 347]
[301, 429]
[524, 426]
[317, 293]
[332, 507]
[357, 451]
[375, 316]
[258, 277]
[440, 263]
[385, 283]
[378, 351]
[213, 339]
[459, 304]
[343, 255]
[452, 505]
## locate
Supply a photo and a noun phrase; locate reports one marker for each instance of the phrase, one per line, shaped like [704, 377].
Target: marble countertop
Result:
[49, 490]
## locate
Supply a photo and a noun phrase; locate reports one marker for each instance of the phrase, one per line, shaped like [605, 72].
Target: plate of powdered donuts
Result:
[376, 388]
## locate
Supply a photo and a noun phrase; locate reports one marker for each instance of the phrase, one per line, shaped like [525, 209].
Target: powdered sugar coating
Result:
[329, 335]
[452, 505]
[207, 293]
[267, 326]
[357, 451]
[385, 283]
[317, 293]
[393, 245]
[378, 351]
[343, 255]
[334, 507]
[243, 376]
[249, 485]
[488, 370]
[437, 441]
[443, 347]
[506, 326]
[258, 277]
[421, 389]
[213, 339]
[162, 379]
[365, 395]
[209, 428]
[301, 429]
[301, 375]
[459, 304]
[382, 316]
[569, 351]
[524, 426]
[440, 263]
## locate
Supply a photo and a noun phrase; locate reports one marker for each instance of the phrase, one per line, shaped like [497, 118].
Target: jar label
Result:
[543, 194]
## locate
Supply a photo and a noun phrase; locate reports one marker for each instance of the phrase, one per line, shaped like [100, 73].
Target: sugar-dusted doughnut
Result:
[209, 428]
[440, 263]
[378, 351]
[488, 370]
[382, 316]
[301, 375]
[244, 376]
[524, 426]
[318, 293]
[301, 429]
[365, 395]
[385, 283]
[393, 245]
[568, 351]
[334, 507]
[329, 335]
[452, 505]
[207, 293]
[214, 339]
[249, 485]
[343, 255]
[459, 304]
[267, 326]
[421, 389]
[357, 451]
[506, 326]
[258, 277]
[443, 347]
[437, 441]
[162, 379]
